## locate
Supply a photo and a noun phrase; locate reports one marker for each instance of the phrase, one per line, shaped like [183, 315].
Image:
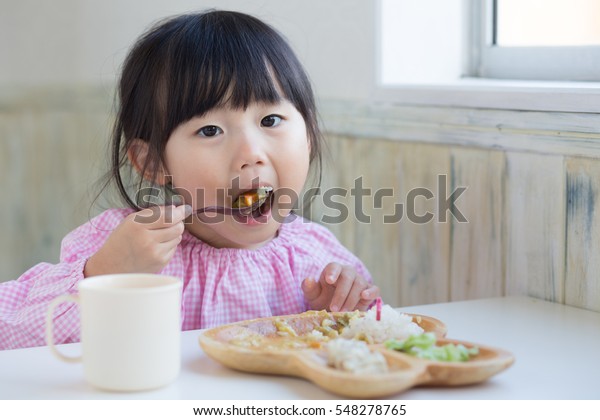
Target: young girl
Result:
[216, 109]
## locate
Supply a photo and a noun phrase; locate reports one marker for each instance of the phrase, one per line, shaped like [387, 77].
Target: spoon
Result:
[256, 199]
[242, 211]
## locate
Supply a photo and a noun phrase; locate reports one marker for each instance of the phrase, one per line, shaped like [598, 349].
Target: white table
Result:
[556, 349]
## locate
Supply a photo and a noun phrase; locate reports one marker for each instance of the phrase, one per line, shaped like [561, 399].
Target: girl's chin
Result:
[251, 233]
[238, 231]
[257, 219]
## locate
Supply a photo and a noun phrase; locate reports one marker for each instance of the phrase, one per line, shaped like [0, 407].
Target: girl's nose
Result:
[250, 151]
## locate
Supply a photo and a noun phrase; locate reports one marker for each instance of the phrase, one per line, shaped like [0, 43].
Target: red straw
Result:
[378, 305]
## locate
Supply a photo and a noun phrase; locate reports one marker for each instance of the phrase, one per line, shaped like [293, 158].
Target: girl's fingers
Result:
[367, 297]
[330, 273]
[168, 233]
[150, 216]
[166, 250]
[311, 289]
[370, 293]
[353, 297]
[160, 217]
[316, 295]
[173, 242]
[171, 215]
[343, 285]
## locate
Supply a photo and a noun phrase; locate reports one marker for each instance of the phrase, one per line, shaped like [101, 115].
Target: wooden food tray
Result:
[405, 371]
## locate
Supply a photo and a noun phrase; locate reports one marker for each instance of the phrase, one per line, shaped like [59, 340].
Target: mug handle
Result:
[50, 327]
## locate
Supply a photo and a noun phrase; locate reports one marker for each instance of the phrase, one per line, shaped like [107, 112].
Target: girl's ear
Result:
[137, 153]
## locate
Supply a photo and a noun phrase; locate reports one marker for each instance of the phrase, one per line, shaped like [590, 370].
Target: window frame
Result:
[475, 91]
[576, 63]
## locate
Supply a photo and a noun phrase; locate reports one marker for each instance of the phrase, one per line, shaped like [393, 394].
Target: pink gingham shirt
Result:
[219, 285]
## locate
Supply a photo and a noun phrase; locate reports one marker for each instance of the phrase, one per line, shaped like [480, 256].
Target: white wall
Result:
[412, 52]
[83, 42]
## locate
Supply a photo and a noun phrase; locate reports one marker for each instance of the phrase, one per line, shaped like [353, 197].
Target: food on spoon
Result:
[252, 198]
[355, 356]
[423, 346]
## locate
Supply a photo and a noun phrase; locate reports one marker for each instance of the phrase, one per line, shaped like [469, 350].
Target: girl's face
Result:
[214, 158]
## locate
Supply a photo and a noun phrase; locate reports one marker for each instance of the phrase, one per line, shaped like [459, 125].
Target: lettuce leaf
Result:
[424, 347]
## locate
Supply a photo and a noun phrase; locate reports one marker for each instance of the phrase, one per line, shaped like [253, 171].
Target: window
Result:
[536, 39]
[437, 42]
[535, 23]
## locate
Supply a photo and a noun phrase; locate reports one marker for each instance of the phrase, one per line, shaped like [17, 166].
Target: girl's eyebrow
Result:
[225, 108]
[196, 119]
[262, 104]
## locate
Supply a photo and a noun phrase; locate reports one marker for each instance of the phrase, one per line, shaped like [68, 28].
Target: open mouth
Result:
[253, 203]
[249, 205]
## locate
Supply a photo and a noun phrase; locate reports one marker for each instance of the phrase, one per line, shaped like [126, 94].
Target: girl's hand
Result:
[340, 288]
[144, 242]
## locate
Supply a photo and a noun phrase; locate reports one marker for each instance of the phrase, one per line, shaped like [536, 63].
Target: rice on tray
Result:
[354, 356]
[392, 325]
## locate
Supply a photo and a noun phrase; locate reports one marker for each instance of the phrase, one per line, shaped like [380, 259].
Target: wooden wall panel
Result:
[408, 260]
[477, 257]
[535, 226]
[425, 245]
[582, 287]
[51, 161]
[337, 174]
[354, 162]
[375, 242]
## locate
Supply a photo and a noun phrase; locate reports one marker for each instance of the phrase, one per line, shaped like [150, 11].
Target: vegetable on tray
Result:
[424, 347]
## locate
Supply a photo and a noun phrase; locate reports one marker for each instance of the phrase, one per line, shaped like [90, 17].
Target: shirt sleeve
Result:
[24, 302]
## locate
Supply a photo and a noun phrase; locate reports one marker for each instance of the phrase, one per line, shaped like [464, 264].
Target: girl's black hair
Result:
[185, 66]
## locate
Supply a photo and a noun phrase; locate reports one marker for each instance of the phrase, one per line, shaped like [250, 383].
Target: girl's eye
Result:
[209, 131]
[271, 121]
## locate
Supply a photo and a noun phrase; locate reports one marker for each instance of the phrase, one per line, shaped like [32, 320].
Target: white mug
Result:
[130, 330]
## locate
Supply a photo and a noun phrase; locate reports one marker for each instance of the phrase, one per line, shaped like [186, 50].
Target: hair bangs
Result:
[223, 69]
